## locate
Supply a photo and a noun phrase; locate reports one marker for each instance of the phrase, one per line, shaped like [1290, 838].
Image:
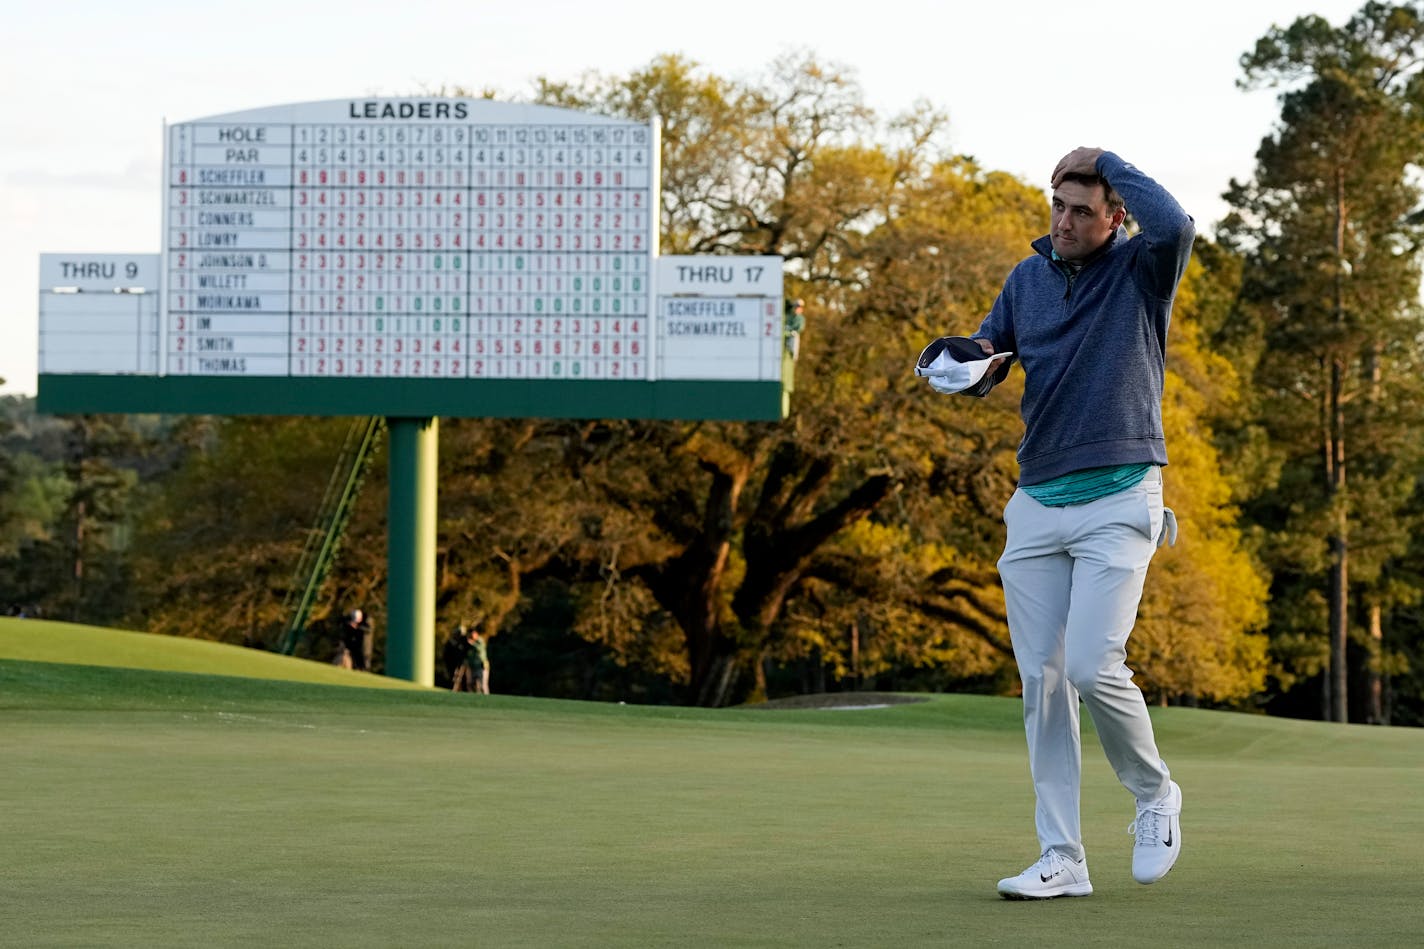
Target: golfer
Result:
[1087, 317]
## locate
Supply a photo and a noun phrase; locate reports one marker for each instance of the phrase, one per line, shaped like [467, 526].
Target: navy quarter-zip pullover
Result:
[1094, 347]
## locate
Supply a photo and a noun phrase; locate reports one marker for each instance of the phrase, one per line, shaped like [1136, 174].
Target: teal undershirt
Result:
[1088, 484]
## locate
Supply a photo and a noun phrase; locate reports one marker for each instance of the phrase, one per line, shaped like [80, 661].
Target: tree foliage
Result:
[69, 487]
[1329, 306]
[218, 545]
[743, 521]
[1198, 634]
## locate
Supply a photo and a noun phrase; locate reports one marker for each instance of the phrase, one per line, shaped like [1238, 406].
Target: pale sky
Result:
[87, 85]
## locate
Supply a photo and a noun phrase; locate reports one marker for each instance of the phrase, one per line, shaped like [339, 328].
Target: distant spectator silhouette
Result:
[453, 654]
[356, 640]
[473, 674]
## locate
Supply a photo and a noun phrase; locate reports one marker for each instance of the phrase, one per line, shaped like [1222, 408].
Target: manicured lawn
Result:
[44, 641]
[162, 808]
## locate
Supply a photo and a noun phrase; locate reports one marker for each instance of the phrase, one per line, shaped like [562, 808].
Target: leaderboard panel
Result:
[446, 239]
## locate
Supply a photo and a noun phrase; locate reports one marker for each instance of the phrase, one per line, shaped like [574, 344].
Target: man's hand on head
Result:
[1080, 161]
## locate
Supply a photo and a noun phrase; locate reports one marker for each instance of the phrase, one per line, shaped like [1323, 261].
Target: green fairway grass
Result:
[44, 641]
[149, 808]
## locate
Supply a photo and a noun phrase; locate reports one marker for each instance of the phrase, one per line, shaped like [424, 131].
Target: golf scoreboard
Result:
[427, 256]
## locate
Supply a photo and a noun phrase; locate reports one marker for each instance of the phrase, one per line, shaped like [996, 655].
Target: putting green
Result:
[159, 808]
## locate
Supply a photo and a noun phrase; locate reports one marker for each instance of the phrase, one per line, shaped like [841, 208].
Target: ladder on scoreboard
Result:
[324, 537]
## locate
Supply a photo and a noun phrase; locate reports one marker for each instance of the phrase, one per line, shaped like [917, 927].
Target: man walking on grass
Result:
[1087, 316]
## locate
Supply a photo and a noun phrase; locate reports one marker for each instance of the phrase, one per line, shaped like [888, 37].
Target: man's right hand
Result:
[1080, 161]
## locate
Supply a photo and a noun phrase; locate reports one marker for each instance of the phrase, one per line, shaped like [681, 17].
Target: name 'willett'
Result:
[685, 327]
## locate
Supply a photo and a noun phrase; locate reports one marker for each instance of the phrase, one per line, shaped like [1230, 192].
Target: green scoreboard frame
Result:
[666, 400]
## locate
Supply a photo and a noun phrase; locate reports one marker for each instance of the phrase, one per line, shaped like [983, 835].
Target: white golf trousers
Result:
[1072, 580]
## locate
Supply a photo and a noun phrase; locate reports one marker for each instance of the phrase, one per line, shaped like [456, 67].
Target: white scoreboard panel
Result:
[99, 313]
[719, 317]
[421, 239]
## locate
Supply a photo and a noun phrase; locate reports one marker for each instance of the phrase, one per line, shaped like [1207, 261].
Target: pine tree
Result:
[1330, 291]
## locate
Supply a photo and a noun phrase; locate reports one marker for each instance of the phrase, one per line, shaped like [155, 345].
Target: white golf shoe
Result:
[1158, 835]
[1053, 875]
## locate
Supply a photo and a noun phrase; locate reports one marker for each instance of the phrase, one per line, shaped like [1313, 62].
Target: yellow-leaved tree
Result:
[1198, 633]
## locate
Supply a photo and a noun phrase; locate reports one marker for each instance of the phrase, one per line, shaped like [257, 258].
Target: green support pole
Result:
[410, 552]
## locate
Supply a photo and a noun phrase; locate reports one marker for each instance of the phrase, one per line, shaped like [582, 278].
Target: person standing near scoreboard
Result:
[478, 659]
[357, 640]
[473, 673]
[1087, 316]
